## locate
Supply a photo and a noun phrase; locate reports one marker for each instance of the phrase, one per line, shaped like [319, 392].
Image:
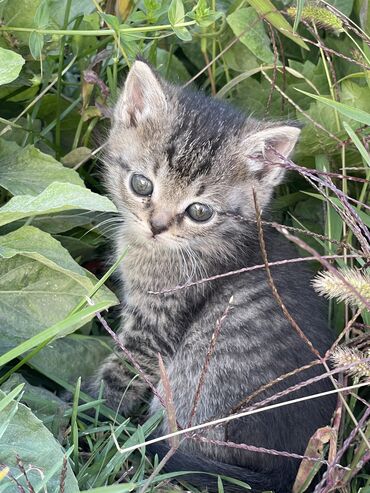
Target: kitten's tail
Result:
[258, 482]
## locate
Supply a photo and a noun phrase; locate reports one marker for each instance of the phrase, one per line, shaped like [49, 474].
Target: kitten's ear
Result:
[264, 148]
[142, 97]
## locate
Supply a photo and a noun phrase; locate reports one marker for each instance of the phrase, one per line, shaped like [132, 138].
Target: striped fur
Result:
[197, 149]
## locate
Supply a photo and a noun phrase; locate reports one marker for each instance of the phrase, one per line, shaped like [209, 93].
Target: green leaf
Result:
[36, 44]
[36, 273]
[27, 437]
[176, 12]
[30, 171]
[111, 21]
[42, 402]
[344, 6]
[247, 25]
[239, 57]
[182, 33]
[42, 16]
[86, 352]
[10, 65]
[170, 67]
[269, 12]
[62, 221]
[38, 245]
[348, 111]
[56, 197]
[60, 329]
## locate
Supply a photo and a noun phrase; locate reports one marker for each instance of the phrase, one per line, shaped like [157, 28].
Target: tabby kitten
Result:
[181, 168]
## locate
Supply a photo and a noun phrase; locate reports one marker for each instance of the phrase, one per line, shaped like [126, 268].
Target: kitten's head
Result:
[180, 165]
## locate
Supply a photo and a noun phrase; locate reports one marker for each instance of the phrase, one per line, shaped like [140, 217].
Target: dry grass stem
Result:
[207, 360]
[235, 416]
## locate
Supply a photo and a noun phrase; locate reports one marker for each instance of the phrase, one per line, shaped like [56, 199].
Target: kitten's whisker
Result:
[96, 226]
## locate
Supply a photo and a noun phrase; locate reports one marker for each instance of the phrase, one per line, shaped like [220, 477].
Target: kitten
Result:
[181, 168]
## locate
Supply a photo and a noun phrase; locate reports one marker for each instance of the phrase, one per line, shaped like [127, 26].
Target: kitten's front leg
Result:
[121, 391]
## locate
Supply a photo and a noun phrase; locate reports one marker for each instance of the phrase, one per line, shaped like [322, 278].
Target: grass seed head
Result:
[343, 356]
[323, 18]
[329, 285]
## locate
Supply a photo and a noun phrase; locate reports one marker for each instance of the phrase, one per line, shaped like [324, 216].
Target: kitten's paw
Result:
[121, 393]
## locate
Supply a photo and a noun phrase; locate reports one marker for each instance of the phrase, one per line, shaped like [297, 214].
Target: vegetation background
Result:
[61, 64]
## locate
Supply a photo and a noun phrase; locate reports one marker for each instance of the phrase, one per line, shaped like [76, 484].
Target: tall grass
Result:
[64, 63]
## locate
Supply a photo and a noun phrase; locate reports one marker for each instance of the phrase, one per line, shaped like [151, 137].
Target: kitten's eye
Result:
[141, 185]
[199, 212]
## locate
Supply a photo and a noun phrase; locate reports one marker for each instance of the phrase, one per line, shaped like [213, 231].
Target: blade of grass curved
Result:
[11, 396]
[361, 148]
[348, 111]
[297, 20]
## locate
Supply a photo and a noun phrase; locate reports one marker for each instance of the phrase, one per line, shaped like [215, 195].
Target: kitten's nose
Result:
[159, 223]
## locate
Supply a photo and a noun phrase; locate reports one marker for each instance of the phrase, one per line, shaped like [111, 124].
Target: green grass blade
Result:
[11, 396]
[361, 148]
[348, 111]
[66, 326]
[297, 20]
[114, 488]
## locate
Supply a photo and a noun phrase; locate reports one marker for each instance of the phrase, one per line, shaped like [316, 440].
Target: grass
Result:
[309, 65]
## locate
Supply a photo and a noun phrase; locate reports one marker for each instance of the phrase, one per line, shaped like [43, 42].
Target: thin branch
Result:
[245, 269]
[271, 282]
[207, 360]
[129, 355]
[237, 416]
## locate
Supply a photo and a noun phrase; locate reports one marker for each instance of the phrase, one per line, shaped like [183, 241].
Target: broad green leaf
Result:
[170, 67]
[62, 221]
[36, 273]
[43, 403]
[67, 326]
[268, 11]
[30, 171]
[239, 57]
[56, 197]
[33, 243]
[10, 65]
[28, 438]
[86, 352]
[346, 110]
[246, 23]
[42, 16]
[76, 156]
[355, 95]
